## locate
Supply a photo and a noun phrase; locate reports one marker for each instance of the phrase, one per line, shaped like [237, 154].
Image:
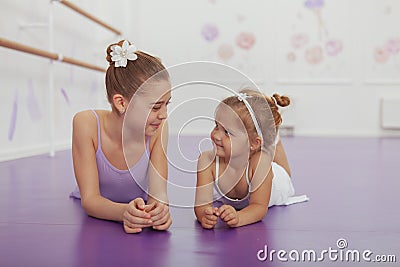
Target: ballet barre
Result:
[42, 53]
[87, 15]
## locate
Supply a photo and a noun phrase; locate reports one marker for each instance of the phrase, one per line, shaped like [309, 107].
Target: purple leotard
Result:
[119, 185]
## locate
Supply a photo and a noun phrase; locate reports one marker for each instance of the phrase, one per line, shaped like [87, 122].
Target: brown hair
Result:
[268, 116]
[127, 80]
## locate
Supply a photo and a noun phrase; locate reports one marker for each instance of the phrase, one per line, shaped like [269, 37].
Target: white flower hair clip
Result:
[243, 96]
[121, 54]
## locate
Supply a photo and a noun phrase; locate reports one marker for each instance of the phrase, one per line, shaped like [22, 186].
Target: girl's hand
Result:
[229, 215]
[210, 218]
[135, 217]
[160, 215]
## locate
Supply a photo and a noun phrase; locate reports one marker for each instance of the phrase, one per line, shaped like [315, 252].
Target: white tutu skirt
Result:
[282, 191]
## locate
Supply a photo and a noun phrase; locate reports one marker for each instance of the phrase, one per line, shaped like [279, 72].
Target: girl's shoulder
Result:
[83, 117]
[208, 155]
[88, 116]
[86, 120]
[206, 160]
[261, 164]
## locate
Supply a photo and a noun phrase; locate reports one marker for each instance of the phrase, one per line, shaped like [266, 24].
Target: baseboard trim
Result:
[12, 154]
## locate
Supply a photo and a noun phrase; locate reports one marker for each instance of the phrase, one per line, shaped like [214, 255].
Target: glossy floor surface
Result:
[354, 209]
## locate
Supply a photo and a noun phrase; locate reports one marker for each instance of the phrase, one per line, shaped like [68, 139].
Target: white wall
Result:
[25, 78]
[339, 96]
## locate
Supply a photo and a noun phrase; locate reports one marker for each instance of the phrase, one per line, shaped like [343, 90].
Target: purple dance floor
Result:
[354, 211]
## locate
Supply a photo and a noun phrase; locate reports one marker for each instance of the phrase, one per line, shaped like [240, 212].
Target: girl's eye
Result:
[155, 108]
[227, 132]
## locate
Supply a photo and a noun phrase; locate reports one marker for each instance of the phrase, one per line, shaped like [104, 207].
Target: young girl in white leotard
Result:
[247, 171]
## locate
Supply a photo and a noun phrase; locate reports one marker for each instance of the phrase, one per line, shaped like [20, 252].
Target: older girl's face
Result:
[229, 134]
[158, 107]
[148, 108]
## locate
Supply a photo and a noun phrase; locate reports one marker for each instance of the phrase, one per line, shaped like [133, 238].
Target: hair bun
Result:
[108, 51]
[282, 101]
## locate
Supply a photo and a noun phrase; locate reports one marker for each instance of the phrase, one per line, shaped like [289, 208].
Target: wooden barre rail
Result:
[46, 54]
[89, 16]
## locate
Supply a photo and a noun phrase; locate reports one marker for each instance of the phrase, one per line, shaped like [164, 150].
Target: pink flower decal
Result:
[209, 32]
[333, 47]
[225, 51]
[381, 55]
[291, 57]
[314, 55]
[245, 40]
[299, 40]
[393, 46]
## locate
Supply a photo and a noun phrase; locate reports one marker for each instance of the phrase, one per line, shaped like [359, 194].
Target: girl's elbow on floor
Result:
[87, 206]
[261, 211]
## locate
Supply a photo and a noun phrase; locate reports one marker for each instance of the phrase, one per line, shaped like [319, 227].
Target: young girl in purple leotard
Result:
[119, 155]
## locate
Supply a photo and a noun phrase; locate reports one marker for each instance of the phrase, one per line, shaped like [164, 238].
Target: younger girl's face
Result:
[229, 134]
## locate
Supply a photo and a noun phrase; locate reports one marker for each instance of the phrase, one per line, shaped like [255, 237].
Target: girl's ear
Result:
[256, 143]
[120, 103]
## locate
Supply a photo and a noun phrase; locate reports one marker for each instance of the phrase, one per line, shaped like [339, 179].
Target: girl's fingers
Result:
[162, 216]
[222, 209]
[133, 222]
[157, 209]
[208, 225]
[211, 217]
[208, 211]
[232, 222]
[149, 207]
[207, 221]
[229, 217]
[135, 225]
[224, 213]
[129, 230]
[212, 211]
[135, 210]
[134, 213]
[225, 210]
[164, 226]
[138, 203]
[137, 214]
[215, 211]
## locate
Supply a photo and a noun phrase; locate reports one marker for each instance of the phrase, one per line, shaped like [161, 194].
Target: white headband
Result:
[242, 97]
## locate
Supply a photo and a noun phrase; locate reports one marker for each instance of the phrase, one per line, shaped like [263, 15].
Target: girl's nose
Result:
[215, 135]
[162, 114]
